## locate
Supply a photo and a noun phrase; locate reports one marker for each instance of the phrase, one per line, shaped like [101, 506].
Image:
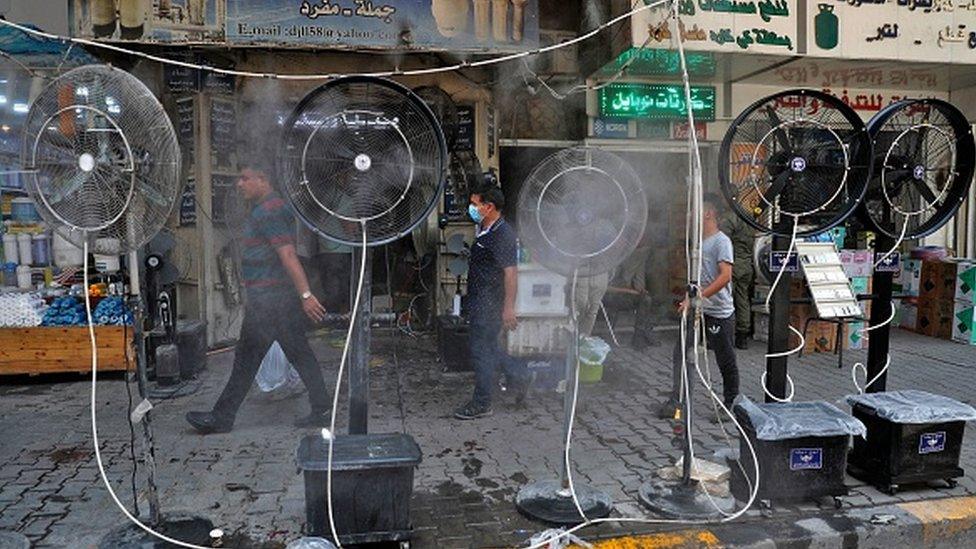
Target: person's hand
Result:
[313, 309]
[683, 306]
[509, 321]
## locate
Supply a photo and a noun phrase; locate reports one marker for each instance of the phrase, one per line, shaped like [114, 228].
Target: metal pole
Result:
[881, 287]
[779, 322]
[572, 370]
[359, 353]
[149, 448]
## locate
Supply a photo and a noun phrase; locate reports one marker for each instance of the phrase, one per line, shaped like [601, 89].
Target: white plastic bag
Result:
[275, 370]
[593, 350]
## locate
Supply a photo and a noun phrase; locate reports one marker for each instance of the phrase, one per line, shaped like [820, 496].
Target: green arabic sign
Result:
[656, 101]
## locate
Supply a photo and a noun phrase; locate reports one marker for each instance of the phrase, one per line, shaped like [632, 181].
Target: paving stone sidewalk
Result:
[247, 481]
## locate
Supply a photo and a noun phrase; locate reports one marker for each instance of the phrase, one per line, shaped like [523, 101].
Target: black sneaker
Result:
[741, 341]
[668, 409]
[206, 423]
[313, 420]
[472, 410]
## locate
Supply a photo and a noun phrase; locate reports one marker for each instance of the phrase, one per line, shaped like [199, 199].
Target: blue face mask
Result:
[474, 213]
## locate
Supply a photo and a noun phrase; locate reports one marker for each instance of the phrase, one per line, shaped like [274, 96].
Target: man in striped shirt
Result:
[278, 302]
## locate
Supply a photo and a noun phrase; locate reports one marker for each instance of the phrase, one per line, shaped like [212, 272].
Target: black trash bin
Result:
[913, 437]
[191, 340]
[453, 348]
[801, 448]
[372, 481]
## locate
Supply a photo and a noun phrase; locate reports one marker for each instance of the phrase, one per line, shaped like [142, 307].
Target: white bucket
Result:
[24, 250]
[66, 254]
[24, 277]
[10, 254]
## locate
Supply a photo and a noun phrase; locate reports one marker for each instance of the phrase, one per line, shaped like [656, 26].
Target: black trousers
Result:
[271, 317]
[720, 338]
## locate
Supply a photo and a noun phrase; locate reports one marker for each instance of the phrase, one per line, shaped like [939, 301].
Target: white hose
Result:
[335, 398]
[572, 407]
[789, 397]
[857, 365]
[885, 323]
[901, 238]
[94, 420]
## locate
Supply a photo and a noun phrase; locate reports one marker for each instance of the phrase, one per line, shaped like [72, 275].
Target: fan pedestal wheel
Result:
[185, 527]
[683, 501]
[548, 501]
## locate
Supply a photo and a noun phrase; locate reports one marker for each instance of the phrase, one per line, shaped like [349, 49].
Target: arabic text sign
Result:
[910, 30]
[763, 26]
[655, 101]
[449, 24]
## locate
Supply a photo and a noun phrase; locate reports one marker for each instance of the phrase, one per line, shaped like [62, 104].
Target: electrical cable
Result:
[330, 435]
[132, 429]
[860, 365]
[378, 74]
[94, 421]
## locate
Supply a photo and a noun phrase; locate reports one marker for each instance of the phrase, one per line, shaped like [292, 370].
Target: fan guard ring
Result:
[106, 164]
[798, 164]
[905, 131]
[362, 162]
[539, 209]
[86, 163]
[950, 144]
[362, 153]
[798, 153]
[571, 220]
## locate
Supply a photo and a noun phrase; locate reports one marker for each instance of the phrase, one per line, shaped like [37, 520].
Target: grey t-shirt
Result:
[717, 249]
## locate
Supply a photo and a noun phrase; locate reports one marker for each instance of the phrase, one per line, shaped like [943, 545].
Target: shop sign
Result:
[458, 25]
[764, 26]
[655, 101]
[611, 129]
[679, 130]
[909, 30]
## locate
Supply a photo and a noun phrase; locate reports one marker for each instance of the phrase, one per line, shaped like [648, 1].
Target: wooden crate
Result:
[47, 350]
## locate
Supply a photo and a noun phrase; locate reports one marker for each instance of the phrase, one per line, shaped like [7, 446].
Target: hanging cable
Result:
[378, 74]
[94, 421]
[877, 376]
[572, 406]
[330, 435]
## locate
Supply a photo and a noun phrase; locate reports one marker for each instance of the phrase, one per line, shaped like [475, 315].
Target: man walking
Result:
[719, 313]
[490, 307]
[278, 300]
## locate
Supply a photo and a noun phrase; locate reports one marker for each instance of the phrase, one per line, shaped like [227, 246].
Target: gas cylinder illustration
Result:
[825, 27]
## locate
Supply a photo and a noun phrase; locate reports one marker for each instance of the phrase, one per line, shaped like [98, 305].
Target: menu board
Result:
[223, 122]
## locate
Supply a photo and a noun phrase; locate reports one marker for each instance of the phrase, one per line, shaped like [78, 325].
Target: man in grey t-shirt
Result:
[719, 321]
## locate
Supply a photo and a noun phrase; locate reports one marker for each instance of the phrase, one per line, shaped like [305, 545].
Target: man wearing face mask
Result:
[490, 307]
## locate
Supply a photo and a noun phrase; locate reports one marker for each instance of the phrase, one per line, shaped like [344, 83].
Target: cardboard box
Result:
[857, 262]
[935, 320]
[908, 316]
[938, 282]
[965, 288]
[963, 327]
[910, 277]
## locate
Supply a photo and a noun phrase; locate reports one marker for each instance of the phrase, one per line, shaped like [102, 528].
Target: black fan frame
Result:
[451, 128]
[860, 165]
[964, 169]
[423, 108]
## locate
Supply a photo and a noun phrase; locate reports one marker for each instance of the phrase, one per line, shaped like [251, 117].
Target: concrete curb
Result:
[939, 523]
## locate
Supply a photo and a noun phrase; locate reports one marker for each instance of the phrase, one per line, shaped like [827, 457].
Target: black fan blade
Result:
[774, 190]
[781, 135]
[925, 191]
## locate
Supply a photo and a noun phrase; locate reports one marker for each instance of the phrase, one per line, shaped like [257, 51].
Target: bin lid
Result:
[353, 452]
[788, 420]
[911, 406]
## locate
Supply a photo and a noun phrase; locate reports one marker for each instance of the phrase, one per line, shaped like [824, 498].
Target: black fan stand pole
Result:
[779, 317]
[881, 288]
[359, 352]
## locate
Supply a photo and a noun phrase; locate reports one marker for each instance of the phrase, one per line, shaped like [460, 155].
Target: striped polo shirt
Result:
[269, 227]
